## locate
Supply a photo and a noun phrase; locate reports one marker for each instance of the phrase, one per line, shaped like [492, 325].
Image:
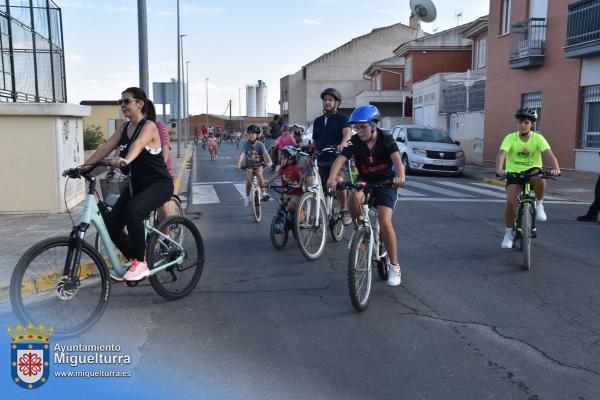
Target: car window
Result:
[428, 135]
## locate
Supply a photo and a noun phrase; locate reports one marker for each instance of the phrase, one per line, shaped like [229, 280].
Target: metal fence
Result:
[590, 127]
[32, 62]
[583, 23]
[462, 93]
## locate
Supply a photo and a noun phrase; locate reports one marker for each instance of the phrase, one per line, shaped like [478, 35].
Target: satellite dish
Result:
[423, 9]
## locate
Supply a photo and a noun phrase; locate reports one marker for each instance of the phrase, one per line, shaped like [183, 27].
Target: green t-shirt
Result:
[522, 156]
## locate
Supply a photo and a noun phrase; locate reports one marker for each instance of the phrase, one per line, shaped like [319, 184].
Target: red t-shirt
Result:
[292, 176]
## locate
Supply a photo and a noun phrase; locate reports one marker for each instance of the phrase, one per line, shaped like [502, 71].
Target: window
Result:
[481, 44]
[534, 100]
[590, 126]
[505, 22]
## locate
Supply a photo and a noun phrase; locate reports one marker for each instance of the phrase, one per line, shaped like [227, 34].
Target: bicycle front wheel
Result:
[279, 231]
[359, 272]
[179, 279]
[526, 239]
[336, 227]
[310, 231]
[42, 291]
[256, 210]
[384, 261]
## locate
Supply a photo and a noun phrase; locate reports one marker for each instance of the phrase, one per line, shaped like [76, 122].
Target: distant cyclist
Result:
[377, 159]
[523, 150]
[254, 155]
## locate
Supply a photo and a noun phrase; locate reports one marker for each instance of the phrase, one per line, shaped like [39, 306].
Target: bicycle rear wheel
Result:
[310, 233]
[41, 291]
[178, 280]
[526, 239]
[256, 210]
[359, 273]
[279, 231]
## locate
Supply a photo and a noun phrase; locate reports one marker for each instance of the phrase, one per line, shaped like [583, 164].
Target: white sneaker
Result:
[247, 201]
[394, 275]
[507, 242]
[540, 213]
[265, 196]
[346, 219]
[351, 238]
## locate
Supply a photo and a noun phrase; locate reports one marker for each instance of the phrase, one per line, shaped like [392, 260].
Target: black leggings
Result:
[595, 207]
[131, 211]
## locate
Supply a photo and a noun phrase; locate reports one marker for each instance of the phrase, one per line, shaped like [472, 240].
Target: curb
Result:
[181, 174]
[493, 181]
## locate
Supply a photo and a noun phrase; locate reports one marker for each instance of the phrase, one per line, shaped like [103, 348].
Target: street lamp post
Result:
[143, 46]
[187, 102]
[206, 103]
[178, 84]
[182, 84]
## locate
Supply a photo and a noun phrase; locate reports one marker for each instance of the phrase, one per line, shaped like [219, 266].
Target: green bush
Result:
[92, 137]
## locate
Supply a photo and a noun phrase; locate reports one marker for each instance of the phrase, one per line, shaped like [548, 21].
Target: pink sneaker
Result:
[137, 271]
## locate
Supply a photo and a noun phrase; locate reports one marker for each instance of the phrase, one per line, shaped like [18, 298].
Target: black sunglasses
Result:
[125, 101]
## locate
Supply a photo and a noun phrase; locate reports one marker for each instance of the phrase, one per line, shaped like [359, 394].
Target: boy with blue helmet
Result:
[377, 159]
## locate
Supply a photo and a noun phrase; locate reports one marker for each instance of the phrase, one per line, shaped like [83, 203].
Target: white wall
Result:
[343, 67]
[587, 160]
[297, 98]
[590, 71]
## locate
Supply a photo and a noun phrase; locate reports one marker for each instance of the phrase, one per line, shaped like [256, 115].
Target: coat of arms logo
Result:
[30, 355]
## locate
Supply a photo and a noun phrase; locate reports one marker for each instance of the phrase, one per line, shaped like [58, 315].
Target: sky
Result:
[230, 42]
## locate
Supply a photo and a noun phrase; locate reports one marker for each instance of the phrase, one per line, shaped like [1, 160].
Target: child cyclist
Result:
[523, 150]
[291, 175]
[255, 155]
[286, 139]
[212, 145]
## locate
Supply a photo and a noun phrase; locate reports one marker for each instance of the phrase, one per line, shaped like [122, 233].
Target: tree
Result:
[92, 137]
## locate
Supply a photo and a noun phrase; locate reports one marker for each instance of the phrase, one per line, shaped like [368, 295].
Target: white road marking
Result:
[204, 194]
[438, 190]
[241, 187]
[472, 189]
[406, 192]
[441, 199]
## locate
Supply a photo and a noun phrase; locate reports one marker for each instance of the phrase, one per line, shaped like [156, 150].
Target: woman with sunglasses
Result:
[150, 186]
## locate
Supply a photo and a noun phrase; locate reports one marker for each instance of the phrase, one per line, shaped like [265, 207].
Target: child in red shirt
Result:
[291, 176]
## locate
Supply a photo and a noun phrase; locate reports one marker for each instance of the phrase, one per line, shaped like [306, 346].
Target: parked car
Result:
[428, 149]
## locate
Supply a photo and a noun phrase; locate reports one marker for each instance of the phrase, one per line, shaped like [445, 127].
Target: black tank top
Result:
[147, 168]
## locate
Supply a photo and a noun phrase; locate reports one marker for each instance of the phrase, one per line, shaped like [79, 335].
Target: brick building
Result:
[546, 55]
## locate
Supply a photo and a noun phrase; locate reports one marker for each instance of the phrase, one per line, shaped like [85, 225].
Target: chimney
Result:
[412, 21]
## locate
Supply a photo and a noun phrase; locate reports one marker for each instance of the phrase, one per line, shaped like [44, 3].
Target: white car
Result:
[428, 149]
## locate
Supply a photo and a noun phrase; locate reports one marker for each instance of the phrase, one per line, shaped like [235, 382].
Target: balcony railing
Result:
[583, 29]
[527, 42]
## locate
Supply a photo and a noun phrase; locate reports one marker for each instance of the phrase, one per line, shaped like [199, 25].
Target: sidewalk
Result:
[573, 185]
[18, 232]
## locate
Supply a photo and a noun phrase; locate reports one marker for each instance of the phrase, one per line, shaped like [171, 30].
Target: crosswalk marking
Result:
[472, 189]
[204, 194]
[438, 190]
[241, 187]
[409, 193]
[503, 190]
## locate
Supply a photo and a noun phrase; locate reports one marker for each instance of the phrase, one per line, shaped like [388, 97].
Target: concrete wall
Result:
[39, 142]
[297, 99]
[100, 115]
[343, 68]
[588, 159]
[558, 80]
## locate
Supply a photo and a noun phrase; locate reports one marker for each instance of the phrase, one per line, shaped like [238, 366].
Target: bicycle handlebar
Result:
[252, 168]
[326, 150]
[283, 189]
[363, 185]
[526, 175]
[85, 169]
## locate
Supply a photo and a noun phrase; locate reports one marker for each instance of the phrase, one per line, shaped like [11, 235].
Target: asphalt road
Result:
[467, 322]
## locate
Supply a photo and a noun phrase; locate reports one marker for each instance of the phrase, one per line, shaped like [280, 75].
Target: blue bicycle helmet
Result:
[367, 113]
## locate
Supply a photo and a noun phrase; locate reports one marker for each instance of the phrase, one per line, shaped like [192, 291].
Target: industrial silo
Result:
[251, 100]
[261, 99]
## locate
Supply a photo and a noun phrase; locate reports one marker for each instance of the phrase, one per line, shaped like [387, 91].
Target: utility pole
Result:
[143, 47]
[178, 85]
[240, 106]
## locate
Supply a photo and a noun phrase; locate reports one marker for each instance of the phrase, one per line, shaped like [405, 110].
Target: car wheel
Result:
[405, 163]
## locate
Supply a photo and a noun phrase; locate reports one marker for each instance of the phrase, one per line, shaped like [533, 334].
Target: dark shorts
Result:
[385, 196]
[325, 170]
[512, 180]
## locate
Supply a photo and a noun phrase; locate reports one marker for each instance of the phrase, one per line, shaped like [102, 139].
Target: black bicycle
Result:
[524, 229]
[283, 221]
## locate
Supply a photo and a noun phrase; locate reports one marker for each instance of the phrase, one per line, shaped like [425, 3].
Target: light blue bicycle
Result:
[64, 282]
